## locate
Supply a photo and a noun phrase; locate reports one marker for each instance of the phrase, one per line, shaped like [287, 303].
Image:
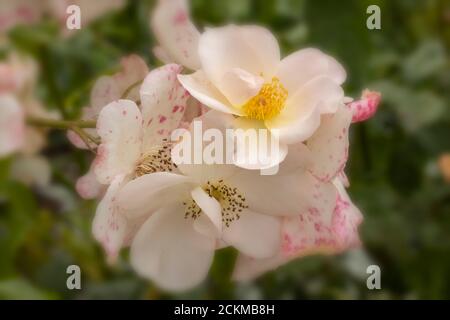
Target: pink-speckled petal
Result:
[120, 128]
[329, 145]
[109, 226]
[346, 219]
[306, 233]
[366, 107]
[194, 109]
[176, 33]
[88, 187]
[163, 101]
[12, 125]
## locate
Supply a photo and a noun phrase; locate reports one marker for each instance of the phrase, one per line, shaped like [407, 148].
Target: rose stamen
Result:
[268, 103]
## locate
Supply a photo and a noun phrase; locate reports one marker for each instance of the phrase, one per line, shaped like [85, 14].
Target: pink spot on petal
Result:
[162, 118]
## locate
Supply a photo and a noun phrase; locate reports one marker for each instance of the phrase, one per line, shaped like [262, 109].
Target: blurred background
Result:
[398, 168]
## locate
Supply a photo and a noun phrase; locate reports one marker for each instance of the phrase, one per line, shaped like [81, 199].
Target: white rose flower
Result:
[242, 74]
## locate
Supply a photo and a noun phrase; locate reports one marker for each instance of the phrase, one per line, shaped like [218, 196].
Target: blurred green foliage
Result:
[394, 177]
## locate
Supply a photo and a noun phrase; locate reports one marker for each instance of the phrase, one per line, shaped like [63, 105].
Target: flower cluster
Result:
[174, 215]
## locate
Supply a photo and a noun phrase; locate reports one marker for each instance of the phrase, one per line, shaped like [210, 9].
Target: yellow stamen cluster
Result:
[231, 201]
[156, 160]
[268, 103]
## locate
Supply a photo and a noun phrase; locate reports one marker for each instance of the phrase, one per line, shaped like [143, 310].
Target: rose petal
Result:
[176, 33]
[120, 128]
[254, 234]
[250, 48]
[110, 225]
[210, 207]
[301, 115]
[366, 107]
[204, 91]
[88, 187]
[239, 86]
[199, 166]
[122, 85]
[169, 251]
[304, 65]
[152, 191]
[329, 145]
[163, 101]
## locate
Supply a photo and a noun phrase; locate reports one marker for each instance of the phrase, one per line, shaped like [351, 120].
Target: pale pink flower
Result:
[134, 143]
[242, 74]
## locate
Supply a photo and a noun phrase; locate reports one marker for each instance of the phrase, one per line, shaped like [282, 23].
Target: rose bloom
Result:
[134, 142]
[242, 74]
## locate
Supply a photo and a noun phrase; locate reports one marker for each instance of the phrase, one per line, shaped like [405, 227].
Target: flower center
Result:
[268, 103]
[158, 159]
[231, 201]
